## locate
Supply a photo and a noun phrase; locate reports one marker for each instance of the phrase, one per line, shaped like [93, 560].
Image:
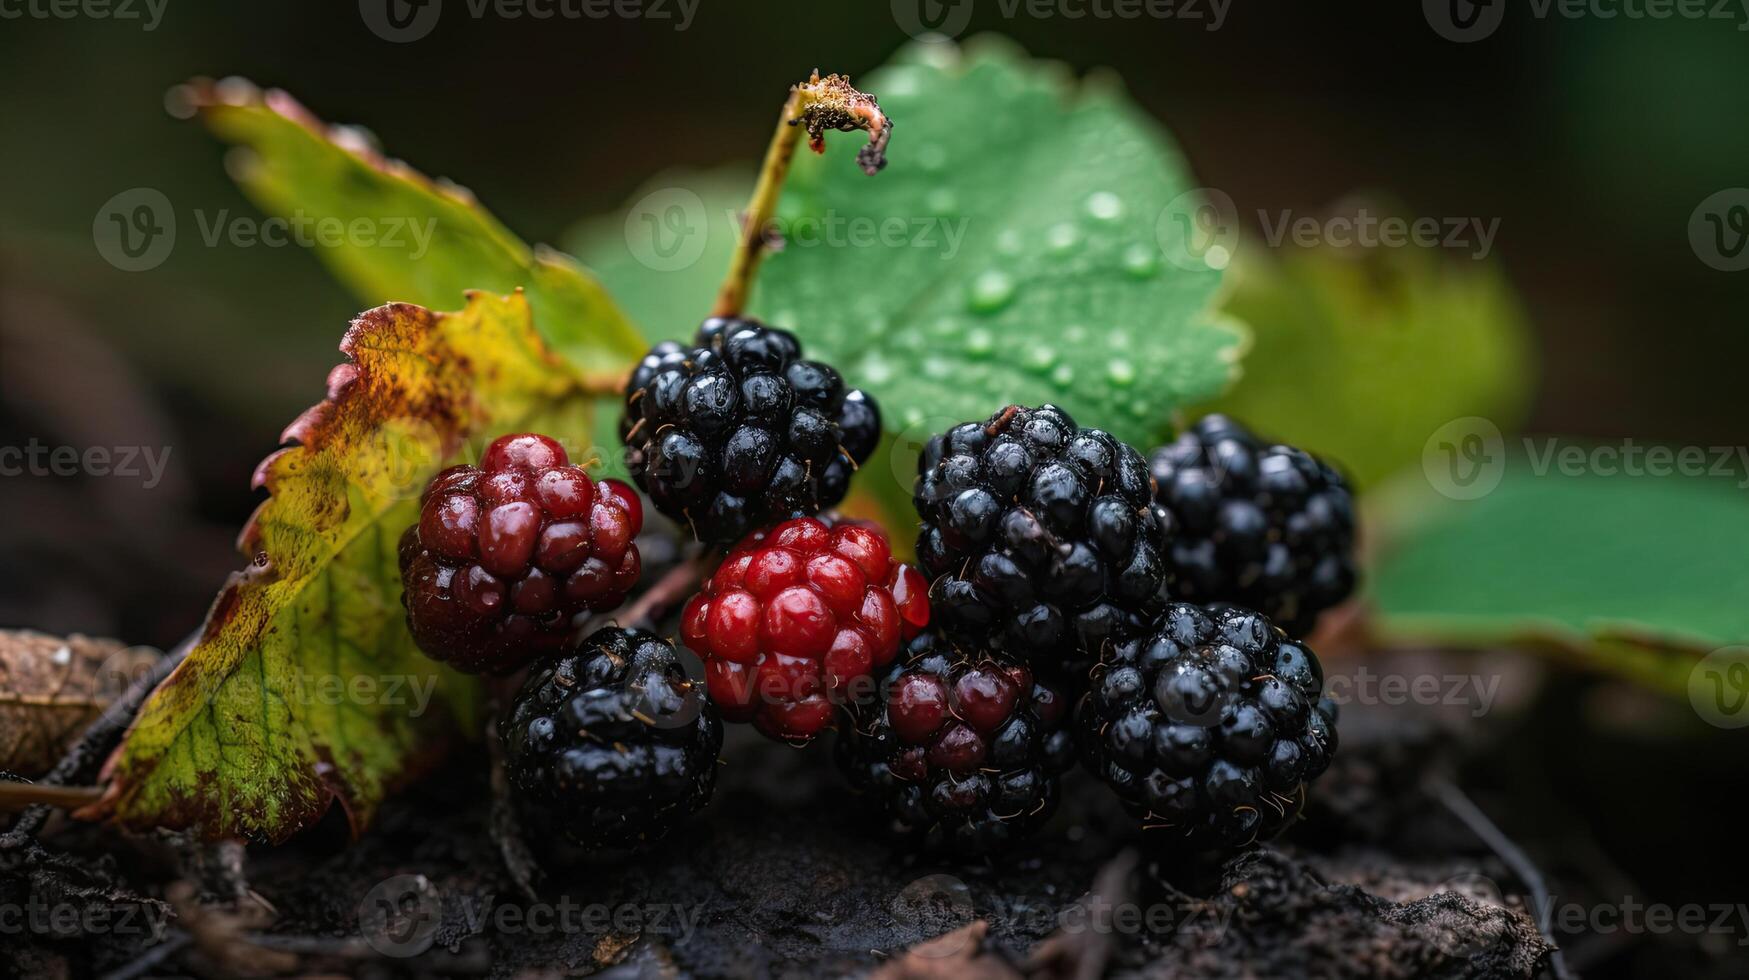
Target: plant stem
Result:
[817, 104]
[665, 593]
[17, 796]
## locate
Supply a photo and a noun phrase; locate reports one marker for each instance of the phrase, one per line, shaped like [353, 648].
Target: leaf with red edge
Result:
[305, 686]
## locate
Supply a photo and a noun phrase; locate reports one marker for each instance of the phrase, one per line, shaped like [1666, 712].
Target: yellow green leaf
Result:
[304, 686]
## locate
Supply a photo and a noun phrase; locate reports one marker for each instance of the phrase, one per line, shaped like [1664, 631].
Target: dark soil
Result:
[781, 878]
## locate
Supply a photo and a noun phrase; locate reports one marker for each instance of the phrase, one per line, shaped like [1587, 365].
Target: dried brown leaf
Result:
[52, 687]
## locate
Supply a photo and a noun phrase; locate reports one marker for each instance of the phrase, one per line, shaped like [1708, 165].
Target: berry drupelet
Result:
[1269, 527]
[611, 745]
[509, 554]
[1209, 727]
[1040, 537]
[962, 748]
[737, 431]
[795, 616]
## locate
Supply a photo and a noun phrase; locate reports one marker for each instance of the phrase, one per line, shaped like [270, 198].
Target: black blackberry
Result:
[611, 745]
[1269, 527]
[1039, 536]
[1209, 726]
[962, 748]
[738, 432]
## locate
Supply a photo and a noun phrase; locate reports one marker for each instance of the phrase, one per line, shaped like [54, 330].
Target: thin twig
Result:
[18, 796]
[506, 827]
[816, 105]
[148, 959]
[669, 591]
[1513, 856]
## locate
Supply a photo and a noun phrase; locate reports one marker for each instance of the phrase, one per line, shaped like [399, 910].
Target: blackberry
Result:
[1040, 537]
[962, 748]
[1208, 727]
[1269, 527]
[611, 745]
[509, 556]
[795, 616]
[738, 432]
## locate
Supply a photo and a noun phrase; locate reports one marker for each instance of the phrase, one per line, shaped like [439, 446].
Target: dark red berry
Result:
[796, 616]
[508, 556]
[962, 750]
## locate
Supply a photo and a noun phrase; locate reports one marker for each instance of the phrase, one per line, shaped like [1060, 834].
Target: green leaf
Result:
[664, 254]
[305, 686]
[1361, 354]
[419, 240]
[1636, 574]
[1008, 253]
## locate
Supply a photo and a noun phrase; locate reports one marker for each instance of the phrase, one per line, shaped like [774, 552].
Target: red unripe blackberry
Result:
[507, 555]
[795, 617]
[961, 749]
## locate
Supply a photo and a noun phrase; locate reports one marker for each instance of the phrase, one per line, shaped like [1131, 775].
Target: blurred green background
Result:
[1590, 140]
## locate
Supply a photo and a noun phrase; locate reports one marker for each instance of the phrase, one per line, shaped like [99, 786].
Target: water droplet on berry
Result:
[990, 292]
[1104, 206]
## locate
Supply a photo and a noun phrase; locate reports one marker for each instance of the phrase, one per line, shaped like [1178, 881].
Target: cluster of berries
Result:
[1075, 600]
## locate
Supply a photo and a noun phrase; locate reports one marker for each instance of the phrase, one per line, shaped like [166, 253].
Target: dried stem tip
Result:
[833, 103]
